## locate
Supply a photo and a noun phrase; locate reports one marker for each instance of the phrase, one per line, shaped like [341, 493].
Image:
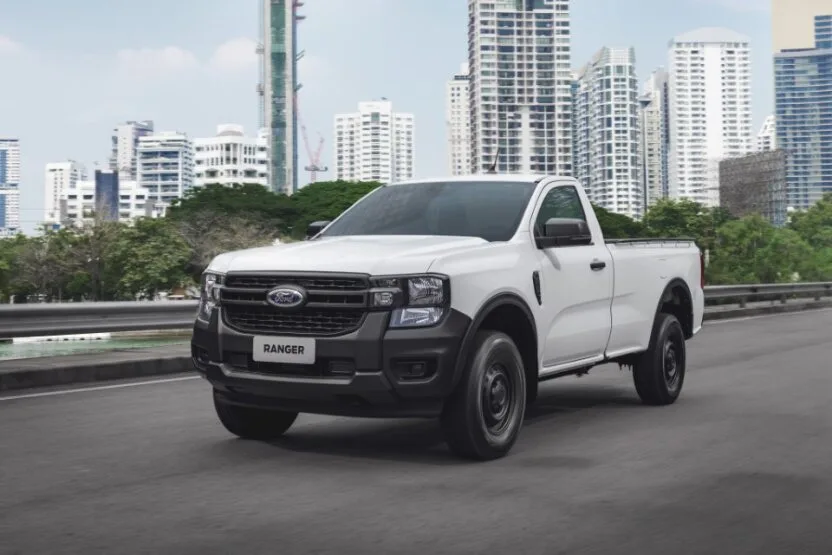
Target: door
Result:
[576, 285]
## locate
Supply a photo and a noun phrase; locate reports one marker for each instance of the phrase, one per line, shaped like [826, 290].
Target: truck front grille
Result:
[336, 304]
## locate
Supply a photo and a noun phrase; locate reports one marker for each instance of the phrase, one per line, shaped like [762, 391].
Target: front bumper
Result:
[373, 371]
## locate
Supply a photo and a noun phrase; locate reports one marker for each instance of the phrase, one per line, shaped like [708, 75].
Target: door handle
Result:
[597, 265]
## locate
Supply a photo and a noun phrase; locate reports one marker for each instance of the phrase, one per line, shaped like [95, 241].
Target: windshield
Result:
[487, 209]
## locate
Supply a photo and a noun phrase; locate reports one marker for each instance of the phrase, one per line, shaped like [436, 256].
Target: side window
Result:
[560, 202]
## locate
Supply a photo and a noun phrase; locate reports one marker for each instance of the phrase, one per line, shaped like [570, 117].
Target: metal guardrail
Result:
[34, 320]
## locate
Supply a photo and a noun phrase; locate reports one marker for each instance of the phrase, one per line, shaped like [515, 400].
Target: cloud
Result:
[151, 63]
[238, 54]
[9, 47]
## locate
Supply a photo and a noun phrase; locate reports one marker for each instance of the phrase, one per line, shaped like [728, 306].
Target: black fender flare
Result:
[672, 284]
[498, 300]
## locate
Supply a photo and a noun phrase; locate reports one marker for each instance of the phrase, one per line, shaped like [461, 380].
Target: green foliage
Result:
[114, 261]
[151, 257]
[619, 226]
[250, 202]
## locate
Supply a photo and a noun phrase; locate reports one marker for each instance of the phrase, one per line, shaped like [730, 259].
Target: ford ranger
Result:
[450, 298]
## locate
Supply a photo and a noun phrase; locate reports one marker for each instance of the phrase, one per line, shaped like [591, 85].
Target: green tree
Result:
[750, 250]
[326, 200]
[685, 218]
[216, 219]
[250, 202]
[618, 226]
[815, 224]
[151, 256]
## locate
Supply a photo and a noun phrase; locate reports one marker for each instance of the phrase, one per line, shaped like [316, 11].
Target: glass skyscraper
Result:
[803, 112]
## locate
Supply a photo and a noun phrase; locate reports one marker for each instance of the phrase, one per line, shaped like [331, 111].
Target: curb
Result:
[99, 367]
[73, 372]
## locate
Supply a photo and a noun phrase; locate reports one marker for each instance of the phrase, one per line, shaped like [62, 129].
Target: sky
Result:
[71, 71]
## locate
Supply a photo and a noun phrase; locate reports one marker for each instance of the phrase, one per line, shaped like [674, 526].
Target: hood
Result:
[374, 255]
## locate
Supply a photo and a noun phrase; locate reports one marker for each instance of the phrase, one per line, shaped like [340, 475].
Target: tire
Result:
[659, 372]
[253, 423]
[473, 428]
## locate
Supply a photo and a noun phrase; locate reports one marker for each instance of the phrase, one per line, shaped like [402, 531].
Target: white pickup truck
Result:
[447, 298]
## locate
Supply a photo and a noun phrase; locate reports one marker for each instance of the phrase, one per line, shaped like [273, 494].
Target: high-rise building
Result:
[710, 109]
[81, 206]
[107, 194]
[521, 85]
[655, 136]
[59, 178]
[803, 114]
[165, 166]
[278, 90]
[458, 121]
[374, 144]
[606, 131]
[9, 186]
[793, 23]
[767, 135]
[231, 157]
[125, 142]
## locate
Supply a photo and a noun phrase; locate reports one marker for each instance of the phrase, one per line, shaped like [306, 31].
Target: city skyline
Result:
[217, 62]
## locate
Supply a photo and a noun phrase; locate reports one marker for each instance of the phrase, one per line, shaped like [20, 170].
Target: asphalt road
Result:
[741, 464]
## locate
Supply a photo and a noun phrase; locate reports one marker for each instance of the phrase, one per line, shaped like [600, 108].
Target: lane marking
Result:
[97, 388]
[743, 318]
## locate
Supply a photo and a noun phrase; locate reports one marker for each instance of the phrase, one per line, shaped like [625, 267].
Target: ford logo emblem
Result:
[286, 296]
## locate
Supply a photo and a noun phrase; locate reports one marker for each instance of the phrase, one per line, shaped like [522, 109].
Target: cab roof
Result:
[488, 177]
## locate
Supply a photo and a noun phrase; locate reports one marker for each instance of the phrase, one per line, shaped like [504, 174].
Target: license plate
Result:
[286, 350]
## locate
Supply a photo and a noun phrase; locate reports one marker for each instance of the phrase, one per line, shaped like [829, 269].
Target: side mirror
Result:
[316, 227]
[564, 232]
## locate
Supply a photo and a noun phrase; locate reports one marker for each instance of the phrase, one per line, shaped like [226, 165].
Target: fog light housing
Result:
[413, 369]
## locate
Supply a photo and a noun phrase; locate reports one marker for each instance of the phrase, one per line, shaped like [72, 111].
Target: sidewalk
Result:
[93, 367]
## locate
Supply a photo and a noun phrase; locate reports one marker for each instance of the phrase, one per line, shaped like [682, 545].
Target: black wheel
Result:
[253, 423]
[660, 371]
[484, 415]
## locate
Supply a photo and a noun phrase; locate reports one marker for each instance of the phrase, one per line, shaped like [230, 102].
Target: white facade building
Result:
[521, 86]
[767, 136]
[9, 187]
[710, 109]
[374, 144]
[60, 178]
[458, 121]
[165, 166]
[78, 206]
[655, 136]
[606, 132]
[231, 157]
[125, 144]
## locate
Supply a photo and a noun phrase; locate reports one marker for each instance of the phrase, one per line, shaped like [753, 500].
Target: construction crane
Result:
[314, 156]
[314, 165]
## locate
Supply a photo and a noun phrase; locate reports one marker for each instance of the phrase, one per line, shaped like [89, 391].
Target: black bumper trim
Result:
[377, 385]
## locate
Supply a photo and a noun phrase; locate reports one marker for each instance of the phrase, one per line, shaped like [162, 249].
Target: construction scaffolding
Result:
[755, 184]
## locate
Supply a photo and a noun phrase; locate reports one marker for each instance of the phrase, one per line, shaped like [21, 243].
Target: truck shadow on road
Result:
[421, 441]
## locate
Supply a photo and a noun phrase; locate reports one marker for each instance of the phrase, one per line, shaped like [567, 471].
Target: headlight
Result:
[209, 294]
[416, 301]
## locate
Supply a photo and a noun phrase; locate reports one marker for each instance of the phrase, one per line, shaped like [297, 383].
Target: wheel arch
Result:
[508, 313]
[677, 300]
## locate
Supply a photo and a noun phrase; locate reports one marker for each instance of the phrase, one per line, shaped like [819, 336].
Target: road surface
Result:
[742, 464]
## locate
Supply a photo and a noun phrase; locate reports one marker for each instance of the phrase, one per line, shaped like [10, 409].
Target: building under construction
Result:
[278, 69]
[755, 183]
